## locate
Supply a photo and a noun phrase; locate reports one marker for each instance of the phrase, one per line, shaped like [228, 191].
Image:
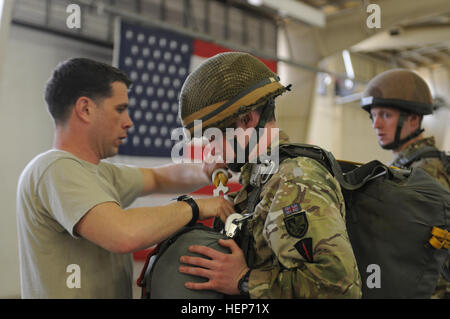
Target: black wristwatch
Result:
[243, 284]
[195, 210]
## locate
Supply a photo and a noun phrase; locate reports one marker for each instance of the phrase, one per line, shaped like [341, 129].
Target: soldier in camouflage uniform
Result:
[297, 245]
[434, 166]
[396, 101]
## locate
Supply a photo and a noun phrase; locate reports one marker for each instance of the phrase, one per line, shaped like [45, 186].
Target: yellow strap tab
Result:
[440, 238]
[440, 233]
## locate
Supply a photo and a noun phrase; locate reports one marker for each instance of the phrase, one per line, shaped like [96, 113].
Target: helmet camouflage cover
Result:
[225, 86]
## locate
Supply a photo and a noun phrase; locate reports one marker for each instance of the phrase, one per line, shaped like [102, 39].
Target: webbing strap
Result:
[424, 152]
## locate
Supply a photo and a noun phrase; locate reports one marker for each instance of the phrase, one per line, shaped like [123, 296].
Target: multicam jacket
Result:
[298, 232]
[435, 168]
[432, 166]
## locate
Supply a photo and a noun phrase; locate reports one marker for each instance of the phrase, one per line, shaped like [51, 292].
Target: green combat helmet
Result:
[401, 89]
[224, 87]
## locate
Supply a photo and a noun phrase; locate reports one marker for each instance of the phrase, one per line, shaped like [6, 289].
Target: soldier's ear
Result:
[248, 120]
[415, 120]
[245, 120]
[253, 118]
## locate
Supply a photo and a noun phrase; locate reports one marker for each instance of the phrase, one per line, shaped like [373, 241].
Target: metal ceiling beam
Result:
[416, 56]
[437, 51]
[348, 29]
[206, 37]
[297, 10]
[442, 55]
[393, 59]
[440, 47]
[406, 38]
[406, 63]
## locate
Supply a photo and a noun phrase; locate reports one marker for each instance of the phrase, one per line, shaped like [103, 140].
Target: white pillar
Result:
[6, 7]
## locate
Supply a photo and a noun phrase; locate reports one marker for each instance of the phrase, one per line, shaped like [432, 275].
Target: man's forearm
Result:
[174, 178]
[125, 231]
[151, 225]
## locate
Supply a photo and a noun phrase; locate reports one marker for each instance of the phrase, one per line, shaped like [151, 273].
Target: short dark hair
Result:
[79, 77]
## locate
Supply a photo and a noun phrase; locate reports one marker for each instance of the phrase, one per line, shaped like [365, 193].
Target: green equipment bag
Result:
[390, 216]
[160, 278]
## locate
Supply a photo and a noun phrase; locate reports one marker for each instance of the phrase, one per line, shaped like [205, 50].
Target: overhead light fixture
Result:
[256, 3]
[348, 83]
[294, 9]
[348, 64]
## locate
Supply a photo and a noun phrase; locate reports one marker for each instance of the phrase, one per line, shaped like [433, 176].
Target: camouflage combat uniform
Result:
[435, 168]
[432, 166]
[299, 237]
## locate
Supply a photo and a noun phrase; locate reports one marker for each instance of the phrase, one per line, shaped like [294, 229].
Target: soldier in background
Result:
[296, 243]
[397, 100]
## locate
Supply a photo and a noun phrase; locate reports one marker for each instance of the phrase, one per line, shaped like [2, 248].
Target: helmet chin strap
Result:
[235, 166]
[397, 141]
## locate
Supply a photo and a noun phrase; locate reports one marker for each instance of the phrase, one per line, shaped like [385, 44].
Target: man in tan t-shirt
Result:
[75, 235]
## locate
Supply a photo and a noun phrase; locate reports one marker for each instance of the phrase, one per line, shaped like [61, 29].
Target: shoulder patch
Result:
[296, 223]
[304, 247]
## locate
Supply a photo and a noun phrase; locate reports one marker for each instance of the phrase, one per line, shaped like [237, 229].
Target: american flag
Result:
[157, 61]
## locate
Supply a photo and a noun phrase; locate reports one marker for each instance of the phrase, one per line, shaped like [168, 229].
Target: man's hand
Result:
[209, 168]
[212, 162]
[215, 207]
[223, 270]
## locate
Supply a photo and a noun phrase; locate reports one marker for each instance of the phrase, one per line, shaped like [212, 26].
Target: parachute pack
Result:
[397, 221]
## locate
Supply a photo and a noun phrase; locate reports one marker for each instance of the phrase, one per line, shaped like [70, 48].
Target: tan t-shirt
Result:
[55, 190]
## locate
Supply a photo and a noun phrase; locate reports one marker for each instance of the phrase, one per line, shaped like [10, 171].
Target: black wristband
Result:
[243, 284]
[194, 206]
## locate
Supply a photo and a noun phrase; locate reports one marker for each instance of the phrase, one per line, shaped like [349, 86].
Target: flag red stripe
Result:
[208, 190]
[206, 49]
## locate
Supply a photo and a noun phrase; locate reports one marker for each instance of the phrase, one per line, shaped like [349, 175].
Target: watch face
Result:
[183, 197]
[243, 284]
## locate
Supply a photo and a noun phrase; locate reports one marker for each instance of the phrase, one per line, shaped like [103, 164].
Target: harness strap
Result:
[424, 152]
